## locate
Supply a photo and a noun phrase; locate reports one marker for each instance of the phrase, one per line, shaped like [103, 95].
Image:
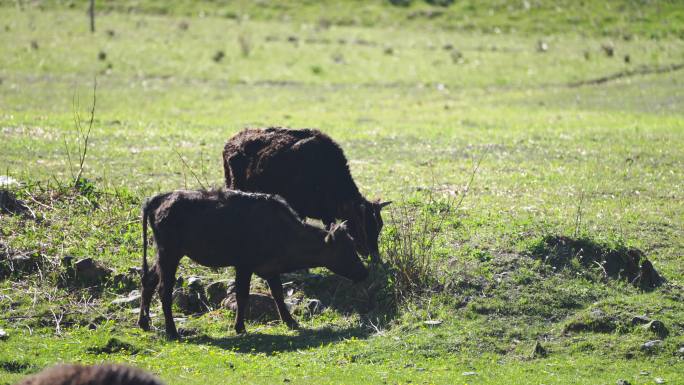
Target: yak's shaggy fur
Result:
[309, 170]
[91, 375]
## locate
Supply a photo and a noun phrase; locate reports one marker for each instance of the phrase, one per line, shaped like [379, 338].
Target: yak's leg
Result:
[242, 281]
[167, 270]
[149, 284]
[277, 292]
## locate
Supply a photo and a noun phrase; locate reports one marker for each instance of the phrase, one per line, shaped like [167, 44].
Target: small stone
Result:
[680, 352]
[542, 46]
[195, 282]
[659, 380]
[6, 181]
[88, 271]
[432, 322]
[218, 56]
[538, 350]
[650, 345]
[218, 291]
[623, 382]
[658, 328]
[640, 320]
[132, 300]
[3, 334]
[314, 306]
[469, 374]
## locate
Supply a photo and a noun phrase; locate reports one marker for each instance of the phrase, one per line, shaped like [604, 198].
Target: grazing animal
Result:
[91, 375]
[309, 170]
[256, 233]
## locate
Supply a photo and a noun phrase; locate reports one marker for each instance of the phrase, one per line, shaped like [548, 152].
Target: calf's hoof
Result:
[240, 329]
[144, 323]
[172, 335]
[292, 325]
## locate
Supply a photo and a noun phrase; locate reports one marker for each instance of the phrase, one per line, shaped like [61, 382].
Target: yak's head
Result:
[343, 259]
[365, 224]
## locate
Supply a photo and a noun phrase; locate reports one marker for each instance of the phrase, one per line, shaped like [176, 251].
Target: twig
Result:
[190, 169]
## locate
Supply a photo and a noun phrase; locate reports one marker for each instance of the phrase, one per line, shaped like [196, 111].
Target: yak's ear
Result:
[383, 204]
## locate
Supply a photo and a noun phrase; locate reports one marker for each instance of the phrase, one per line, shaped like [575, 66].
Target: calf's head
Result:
[341, 257]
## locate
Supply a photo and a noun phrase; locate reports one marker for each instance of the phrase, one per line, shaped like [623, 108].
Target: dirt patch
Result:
[618, 262]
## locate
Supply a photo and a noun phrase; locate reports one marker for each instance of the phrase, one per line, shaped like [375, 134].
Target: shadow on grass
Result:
[271, 343]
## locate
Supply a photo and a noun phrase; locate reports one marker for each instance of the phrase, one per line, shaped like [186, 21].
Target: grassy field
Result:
[417, 96]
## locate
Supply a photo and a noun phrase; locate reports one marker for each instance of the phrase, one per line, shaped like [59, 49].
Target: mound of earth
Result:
[626, 263]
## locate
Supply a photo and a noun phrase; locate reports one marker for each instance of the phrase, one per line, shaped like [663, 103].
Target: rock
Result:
[469, 374]
[640, 320]
[608, 49]
[89, 272]
[3, 334]
[11, 205]
[622, 382]
[314, 306]
[432, 322]
[218, 291]
[538, 350]
[651, 345]
[659, 380]
[7, 181]
[658, 328]
[195, 283]
[132, 300]
[191, 299]
[261, 307]
[680, 352]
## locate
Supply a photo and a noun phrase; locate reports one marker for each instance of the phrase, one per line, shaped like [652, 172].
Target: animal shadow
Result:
[271, 343]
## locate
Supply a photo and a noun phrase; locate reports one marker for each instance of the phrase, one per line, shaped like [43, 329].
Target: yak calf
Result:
[256, 233]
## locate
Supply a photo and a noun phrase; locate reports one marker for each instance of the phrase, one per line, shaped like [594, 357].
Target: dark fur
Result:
[91, 375]
[309, 170]
[256, 233]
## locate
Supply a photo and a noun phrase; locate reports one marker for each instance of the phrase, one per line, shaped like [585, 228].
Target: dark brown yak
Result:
[91, 375]
[256, 233]
[309, 170]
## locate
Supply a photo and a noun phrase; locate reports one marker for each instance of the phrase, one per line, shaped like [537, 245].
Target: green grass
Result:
[412, 122]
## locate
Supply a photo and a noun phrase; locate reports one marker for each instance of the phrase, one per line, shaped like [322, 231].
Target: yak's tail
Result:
[145, 215]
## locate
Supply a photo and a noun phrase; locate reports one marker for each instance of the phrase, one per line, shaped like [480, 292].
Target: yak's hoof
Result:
[292, 325]
[240, 330]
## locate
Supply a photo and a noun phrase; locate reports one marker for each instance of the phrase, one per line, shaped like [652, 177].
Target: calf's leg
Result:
[242, 281]
[168, 264]
[276, 287]
[149, 284]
